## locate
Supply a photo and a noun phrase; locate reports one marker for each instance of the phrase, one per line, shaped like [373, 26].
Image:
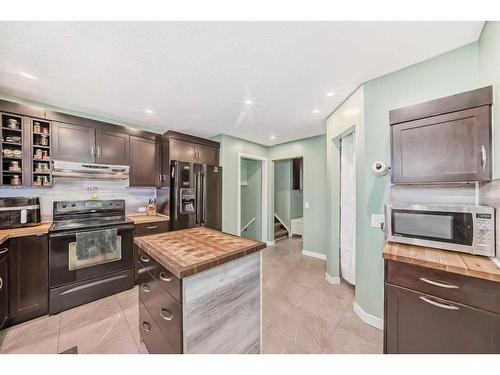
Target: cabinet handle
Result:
[92, 150]
[165, 314]
[164, 277]
[484, 157]
[437, 304]
[1, 283]
[146, 288]
[98, 151]
[4, 250]
[439, 284]
[144, 258]
[146, 327]
[152, 227]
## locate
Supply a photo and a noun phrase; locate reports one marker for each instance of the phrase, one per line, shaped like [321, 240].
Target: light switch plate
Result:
[377, 219]
[306, 204]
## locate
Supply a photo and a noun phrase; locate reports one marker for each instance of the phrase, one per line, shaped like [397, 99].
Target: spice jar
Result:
[14, 166]
[36, 127]
[38, 154]
[38, 181]
[43, 140]
[45, 155]
[46, 181]
[12, 123]
[15, 180]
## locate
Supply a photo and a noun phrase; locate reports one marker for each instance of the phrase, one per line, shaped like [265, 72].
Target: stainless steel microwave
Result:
[467, 229]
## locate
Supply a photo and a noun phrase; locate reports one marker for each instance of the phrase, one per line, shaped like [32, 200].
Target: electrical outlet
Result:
[306, 204]
[141, 209]
[377, 219]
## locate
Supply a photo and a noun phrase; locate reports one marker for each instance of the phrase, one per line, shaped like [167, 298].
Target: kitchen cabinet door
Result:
[453, 147]
[4, 285]
[28, 277]
[73, 142]
[418, 323]
[182, 151]
[207, 155]
[144, 162]
[112, 147]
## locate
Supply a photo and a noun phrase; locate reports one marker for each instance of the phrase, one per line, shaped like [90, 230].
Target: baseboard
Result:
[270, 243]
[332, 279]
[313, 254]
[368, 318]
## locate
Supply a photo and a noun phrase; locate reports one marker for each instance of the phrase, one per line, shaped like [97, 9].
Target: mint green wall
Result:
[230, 147]
[282, 190]
[313, 151]
[447, 74]
[296, 204]
[251, 206]
[489, 74]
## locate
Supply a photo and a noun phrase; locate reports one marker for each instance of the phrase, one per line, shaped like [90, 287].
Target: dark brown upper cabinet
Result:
[73, 142]
[191, 149]
[28, 278]
[444, 140]
[112, 147]
[144, 162]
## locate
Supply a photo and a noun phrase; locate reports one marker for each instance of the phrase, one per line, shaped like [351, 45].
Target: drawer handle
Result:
[164, 277]
[144, 258]
[440, 305]
[146, 327]
[4, 250]
[1, 283]
[165, 314]
[146, 288]
[153, 227]
[439, 284]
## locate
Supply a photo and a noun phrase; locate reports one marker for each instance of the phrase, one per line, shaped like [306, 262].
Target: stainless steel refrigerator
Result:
[195, 196]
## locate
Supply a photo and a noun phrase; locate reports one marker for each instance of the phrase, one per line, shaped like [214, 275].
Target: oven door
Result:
[451, 230]
[68, 265]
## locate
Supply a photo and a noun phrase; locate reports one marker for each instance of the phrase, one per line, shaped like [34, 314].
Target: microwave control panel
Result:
[484, 230]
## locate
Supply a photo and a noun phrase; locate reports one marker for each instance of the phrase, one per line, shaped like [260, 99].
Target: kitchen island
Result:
[199, 292]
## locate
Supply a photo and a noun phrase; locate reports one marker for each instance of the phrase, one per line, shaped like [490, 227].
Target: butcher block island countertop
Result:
[460, 263]
[190, 251]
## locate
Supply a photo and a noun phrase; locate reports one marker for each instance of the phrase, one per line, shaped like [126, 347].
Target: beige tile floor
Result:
[301, 314]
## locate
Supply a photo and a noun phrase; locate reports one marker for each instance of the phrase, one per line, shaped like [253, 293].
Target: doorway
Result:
[348, 209]
[252, 197]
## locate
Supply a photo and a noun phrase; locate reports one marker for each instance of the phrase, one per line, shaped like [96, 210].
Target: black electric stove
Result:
[90, 252]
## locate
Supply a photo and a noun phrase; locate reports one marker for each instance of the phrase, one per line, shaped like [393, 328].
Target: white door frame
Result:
[264, 198]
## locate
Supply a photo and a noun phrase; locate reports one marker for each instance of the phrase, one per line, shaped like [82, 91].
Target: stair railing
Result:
[244, 229]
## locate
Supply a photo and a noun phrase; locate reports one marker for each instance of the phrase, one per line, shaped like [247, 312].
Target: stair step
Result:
[277, 225]
[281, 233]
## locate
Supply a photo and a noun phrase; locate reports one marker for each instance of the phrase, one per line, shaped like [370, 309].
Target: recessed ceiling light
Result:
[26, 75]
[150, 111]
[272, 137]
[331, 93]
[248, 102]
[315, 111]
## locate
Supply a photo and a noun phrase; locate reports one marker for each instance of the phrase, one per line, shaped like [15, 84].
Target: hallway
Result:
[302, 313]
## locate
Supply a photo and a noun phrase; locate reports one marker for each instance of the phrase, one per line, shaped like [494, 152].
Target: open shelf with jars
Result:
[42, 171]
[11, 153]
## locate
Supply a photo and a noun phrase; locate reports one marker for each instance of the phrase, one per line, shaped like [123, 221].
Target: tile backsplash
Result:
[77, 189]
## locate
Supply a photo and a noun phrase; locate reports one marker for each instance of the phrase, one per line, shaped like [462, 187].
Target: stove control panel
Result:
[89, 206]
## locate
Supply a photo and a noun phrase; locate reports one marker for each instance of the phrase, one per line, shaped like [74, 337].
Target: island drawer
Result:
[145, 229]
[468, 290]
[151, 334]
[165, 311]
[166, 279]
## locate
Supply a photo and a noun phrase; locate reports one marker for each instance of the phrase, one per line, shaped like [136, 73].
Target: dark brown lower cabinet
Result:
[4, 283]
[160, 313]
[28, 278]
[418, 323]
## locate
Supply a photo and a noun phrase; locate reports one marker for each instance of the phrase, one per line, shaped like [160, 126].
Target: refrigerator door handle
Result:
[175, 177]
[203, 203]
[197, 204]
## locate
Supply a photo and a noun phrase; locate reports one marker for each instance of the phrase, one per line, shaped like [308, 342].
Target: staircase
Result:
[280, 231]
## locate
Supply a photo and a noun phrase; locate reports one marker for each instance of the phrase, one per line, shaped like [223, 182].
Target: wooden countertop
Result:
[141, 219]
[189, 251]
[43, 228]
[464, 264]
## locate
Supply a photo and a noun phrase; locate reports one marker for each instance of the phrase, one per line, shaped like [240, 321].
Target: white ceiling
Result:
[196, 76]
